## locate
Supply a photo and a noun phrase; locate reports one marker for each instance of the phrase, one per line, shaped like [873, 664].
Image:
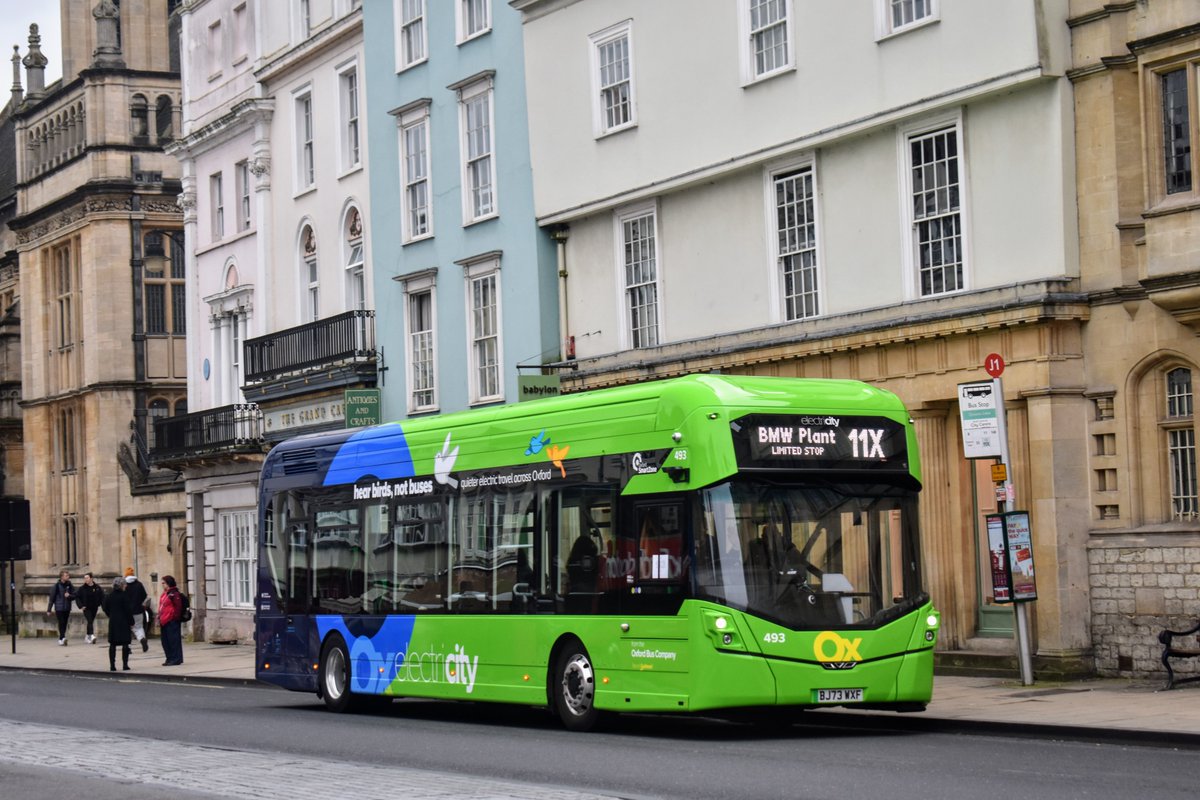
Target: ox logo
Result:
[834, 651]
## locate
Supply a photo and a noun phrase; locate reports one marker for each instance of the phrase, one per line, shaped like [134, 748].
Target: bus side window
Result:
[299, 574]
[585, 547]
[652, 549]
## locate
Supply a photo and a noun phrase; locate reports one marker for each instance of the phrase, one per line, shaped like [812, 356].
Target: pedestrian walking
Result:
[170, 623]
[89, 597]
[120, 623]
[139, 602]
[61, 597]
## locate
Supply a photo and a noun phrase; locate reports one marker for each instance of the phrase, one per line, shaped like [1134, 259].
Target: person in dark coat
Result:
[120, 623]
[61, 597]
[89, 597]
[139, 601]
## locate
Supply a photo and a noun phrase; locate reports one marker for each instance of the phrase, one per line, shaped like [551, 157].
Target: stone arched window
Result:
[159, 408]
[164, 122]
[1163, 463]
[1179, 438]
[139, 119]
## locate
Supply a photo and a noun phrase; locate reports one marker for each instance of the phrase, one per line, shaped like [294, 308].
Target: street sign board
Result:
[1011, 548]
[994, 365]
[535, 387]
[361, 407]
[979, 408]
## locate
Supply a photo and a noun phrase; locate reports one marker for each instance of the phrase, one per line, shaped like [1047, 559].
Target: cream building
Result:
[875, 190]
[102, 330]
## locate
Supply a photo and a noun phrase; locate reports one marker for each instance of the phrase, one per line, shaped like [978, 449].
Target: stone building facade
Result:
[837, 223]
[1137, 104]
[103, 326]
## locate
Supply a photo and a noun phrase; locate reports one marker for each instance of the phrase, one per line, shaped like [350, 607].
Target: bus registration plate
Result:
[839, 695]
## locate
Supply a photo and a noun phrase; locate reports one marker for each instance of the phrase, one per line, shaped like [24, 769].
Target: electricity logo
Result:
[842, 655]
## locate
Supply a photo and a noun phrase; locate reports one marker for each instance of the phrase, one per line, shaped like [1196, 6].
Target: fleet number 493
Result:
[775, 638]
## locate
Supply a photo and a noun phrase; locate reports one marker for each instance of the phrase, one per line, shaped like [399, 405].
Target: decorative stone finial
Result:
[35, 63]
[17, 92]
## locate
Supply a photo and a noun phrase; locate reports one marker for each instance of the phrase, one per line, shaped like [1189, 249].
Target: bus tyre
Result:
[334, 675]
[573, 687]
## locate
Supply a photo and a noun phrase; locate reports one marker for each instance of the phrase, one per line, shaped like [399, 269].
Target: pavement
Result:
[1106, 709]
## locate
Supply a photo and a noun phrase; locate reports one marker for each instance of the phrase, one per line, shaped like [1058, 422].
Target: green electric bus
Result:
[698, 544]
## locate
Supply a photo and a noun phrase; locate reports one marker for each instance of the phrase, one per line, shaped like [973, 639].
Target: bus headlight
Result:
[932, 621]
[720, 623]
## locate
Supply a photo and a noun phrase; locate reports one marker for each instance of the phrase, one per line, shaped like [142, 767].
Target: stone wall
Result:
[1141, 584]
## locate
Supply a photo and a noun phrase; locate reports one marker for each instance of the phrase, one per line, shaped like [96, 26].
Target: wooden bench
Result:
[1172, 650]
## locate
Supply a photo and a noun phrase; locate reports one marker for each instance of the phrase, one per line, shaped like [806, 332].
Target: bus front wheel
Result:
[574, 687]
[334, 676]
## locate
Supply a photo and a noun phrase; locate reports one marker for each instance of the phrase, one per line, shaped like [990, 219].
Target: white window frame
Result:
[478, 269]
[350, 111]
[774, 173]
[885, 26]
[620, 217]
[461, 18]
[241, 33]
[241, 174]
[404, 58]
[238, 557]
[746, 35]
[306, 165]
[470, 92]
[417, 284]
[229, 320]
[216, 194]
[412, 118]
[911, 260]
[310, 276]
[356, 285]
[303, 19]
[597, 42]
[216, 50]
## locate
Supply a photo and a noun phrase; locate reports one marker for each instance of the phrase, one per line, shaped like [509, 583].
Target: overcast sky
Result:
[15, 16]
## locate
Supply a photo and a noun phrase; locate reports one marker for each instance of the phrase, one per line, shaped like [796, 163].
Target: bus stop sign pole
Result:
[1020, 609]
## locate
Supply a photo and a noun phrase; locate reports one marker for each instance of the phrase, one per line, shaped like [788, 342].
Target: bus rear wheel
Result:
[334, 675]
[573, 687]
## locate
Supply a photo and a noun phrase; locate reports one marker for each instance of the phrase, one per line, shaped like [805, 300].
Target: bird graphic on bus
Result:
[556, 455]
[536, 443]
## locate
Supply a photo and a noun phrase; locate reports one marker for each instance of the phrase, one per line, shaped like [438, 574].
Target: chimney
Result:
[108, 46]
[17, 92]
[35, 64]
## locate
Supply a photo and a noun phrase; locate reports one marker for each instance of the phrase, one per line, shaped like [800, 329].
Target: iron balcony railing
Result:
[346, 338]
[212, 431]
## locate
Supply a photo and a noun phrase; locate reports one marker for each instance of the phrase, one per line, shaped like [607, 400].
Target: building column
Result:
[1054, 489]
[942, 534]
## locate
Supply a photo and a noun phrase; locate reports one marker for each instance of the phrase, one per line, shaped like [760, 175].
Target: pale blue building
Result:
[465, 281]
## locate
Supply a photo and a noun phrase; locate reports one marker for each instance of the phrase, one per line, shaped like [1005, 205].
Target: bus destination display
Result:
[782, 441]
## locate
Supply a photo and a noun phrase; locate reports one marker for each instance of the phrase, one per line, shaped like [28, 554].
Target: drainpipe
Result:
[560, 234]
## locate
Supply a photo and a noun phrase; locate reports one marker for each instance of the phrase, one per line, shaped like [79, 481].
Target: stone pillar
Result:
[1056, 474]
[942, 536]
[108, 43]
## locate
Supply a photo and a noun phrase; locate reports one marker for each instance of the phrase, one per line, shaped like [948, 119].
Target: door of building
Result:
[993, 619]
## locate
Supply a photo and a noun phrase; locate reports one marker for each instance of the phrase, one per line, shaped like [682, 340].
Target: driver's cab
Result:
[784, 560]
